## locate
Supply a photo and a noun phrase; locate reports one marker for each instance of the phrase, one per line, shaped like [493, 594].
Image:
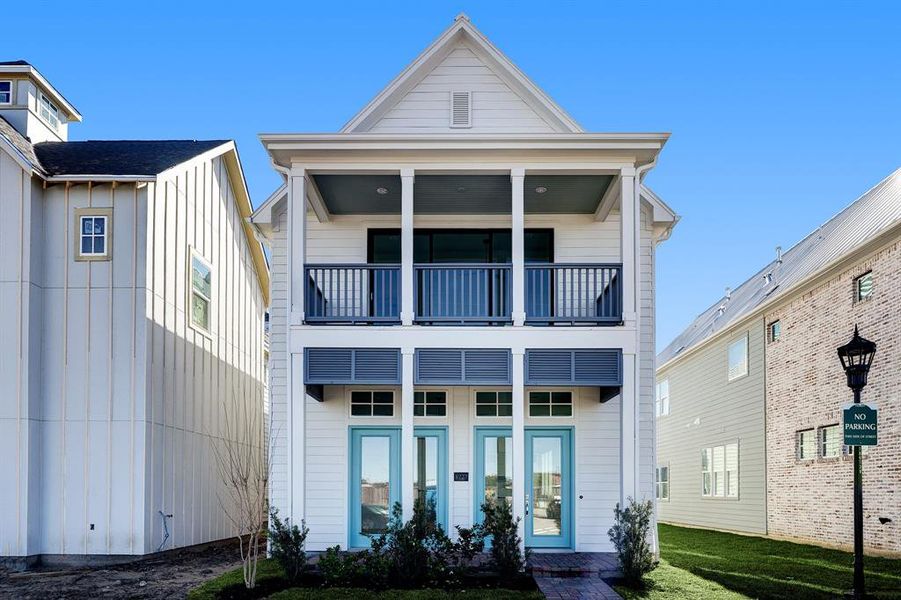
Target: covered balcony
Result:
[476, 249]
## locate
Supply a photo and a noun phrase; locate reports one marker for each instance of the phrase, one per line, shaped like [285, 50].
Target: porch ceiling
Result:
[462, 194]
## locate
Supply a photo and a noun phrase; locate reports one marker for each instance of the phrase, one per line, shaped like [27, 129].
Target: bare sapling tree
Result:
[244, 467]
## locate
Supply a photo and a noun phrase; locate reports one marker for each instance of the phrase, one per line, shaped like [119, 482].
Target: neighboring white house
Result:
[462, 308]
[132, 298]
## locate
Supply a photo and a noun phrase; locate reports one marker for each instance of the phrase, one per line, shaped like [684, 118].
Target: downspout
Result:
[640, 172]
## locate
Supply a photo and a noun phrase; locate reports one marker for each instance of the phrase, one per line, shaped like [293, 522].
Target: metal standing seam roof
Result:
[873, 213]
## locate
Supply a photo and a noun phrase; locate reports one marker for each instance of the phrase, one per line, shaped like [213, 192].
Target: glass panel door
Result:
[549, 488]
[430, 471]
[375, 481]
[493, 477]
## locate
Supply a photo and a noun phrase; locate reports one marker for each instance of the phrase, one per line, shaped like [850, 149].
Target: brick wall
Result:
[812, 500]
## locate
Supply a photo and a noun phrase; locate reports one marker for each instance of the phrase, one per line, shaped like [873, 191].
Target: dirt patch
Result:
[170, 575]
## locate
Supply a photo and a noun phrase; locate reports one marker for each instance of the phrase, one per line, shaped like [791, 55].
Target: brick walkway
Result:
[574, 575]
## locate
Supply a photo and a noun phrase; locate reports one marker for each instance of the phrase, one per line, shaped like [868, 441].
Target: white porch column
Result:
[406, 433]
[517, 177]
[519, 442]
[628, 439]
[297, 219]
[628, 239]
[297, 401]
[406, 248]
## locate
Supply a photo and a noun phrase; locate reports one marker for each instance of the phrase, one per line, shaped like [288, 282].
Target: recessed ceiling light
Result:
[461, 189]
[540, 189]
[381, 191]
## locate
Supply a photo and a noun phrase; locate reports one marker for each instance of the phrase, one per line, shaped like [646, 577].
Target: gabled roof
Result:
[461, 29]
[118, 157]
[20, 143]
[874, 213]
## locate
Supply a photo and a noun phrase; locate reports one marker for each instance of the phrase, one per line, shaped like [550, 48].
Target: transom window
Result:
[49, 112]
[738, 358]
[372, 403]
[201, 292]
[429, 404]
[830, 441]
[550, 404]
[6, 92]
[494, 404]
[663, 398]
[807, 445]
[663, 483]
[93, 232]
[863, 287]
[719, 471]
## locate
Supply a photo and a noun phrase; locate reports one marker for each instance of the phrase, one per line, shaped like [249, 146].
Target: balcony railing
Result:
[462, 293]
[352, 293]
[573, 293]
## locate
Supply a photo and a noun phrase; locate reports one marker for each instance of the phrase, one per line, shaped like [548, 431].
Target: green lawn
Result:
[356, 594]
[698, 563]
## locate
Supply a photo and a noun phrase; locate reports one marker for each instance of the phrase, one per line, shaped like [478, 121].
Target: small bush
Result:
[629, 535]
[506, 557]
[287, 544]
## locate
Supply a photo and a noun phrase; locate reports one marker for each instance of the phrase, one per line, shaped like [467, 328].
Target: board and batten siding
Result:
[496, 108]
[706, 410]
[200, 387]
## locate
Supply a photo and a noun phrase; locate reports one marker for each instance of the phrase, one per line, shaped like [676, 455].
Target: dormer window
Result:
[6, 92]
[49, 112]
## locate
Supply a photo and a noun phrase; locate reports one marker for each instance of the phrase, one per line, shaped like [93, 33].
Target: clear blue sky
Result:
[781, 113]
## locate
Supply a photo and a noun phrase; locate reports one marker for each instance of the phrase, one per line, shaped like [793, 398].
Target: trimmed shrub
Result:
[629, 535]
[287, 544]
[506, 557]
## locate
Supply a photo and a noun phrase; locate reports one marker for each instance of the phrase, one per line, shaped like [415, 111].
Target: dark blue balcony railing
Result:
[573, 293]
[462, 293]
[352, 293]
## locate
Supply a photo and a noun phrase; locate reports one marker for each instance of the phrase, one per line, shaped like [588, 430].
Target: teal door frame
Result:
[356, 539]
[478, 487]
[441, 498]
[567, 488]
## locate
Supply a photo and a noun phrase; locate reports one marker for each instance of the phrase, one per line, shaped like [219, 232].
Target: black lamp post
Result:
[857, 356]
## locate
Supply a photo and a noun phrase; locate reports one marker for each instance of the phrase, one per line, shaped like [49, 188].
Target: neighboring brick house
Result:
[776, 398]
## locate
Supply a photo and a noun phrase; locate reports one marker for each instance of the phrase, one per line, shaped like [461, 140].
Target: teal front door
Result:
[374, 481]
[549, 488]
[430, 470]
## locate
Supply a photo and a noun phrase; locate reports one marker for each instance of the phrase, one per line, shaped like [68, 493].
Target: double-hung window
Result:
[738, 358]
[49, 112]
[830, 441]
[494, 404]
[550, 404]
[663, 483]
[807, 444]
[201, 293]
[6, 92]
[372, 403]
[429, 404]
[719, 471]
[662, 403]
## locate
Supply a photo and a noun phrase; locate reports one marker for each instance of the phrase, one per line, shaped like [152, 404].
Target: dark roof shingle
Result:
[119, 157]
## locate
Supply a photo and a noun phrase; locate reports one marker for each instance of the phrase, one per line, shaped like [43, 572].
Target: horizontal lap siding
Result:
[707, 410]
[495, 106]
[280, 481]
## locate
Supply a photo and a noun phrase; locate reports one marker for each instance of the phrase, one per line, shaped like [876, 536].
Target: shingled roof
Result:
[870, 215]
[118, 157]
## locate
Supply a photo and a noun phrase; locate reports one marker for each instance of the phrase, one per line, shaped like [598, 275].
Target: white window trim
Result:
[668, 483]
[12, 91]
[192, 254]
[447, 404]
[821, 444]
[713, 495]
[816, 442]
[661, 409]
[86, 213]
[743, 338]
[484, 418]
[572, 403]
[42, 98]
[350, 391]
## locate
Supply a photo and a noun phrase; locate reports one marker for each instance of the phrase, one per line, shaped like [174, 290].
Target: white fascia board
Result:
[17, 156]
[49, 89]
[663, 213]
[609, 199]
[263, 214]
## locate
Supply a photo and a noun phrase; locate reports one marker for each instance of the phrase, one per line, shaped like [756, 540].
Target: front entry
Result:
[549, 485]
[374, 481]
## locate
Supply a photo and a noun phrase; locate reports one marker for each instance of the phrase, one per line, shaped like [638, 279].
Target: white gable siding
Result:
[496, 108]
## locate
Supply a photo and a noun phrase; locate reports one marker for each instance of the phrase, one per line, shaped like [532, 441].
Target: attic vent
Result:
[461, 109]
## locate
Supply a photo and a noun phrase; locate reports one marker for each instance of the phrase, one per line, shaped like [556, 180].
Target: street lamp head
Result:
[856, 357]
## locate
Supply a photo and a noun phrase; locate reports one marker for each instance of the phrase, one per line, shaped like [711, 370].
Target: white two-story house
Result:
[462, 308]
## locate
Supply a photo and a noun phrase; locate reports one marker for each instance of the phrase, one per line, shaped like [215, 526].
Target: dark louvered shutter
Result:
[352, 366]
[455, 366]
[601, 367]
[488, 367]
